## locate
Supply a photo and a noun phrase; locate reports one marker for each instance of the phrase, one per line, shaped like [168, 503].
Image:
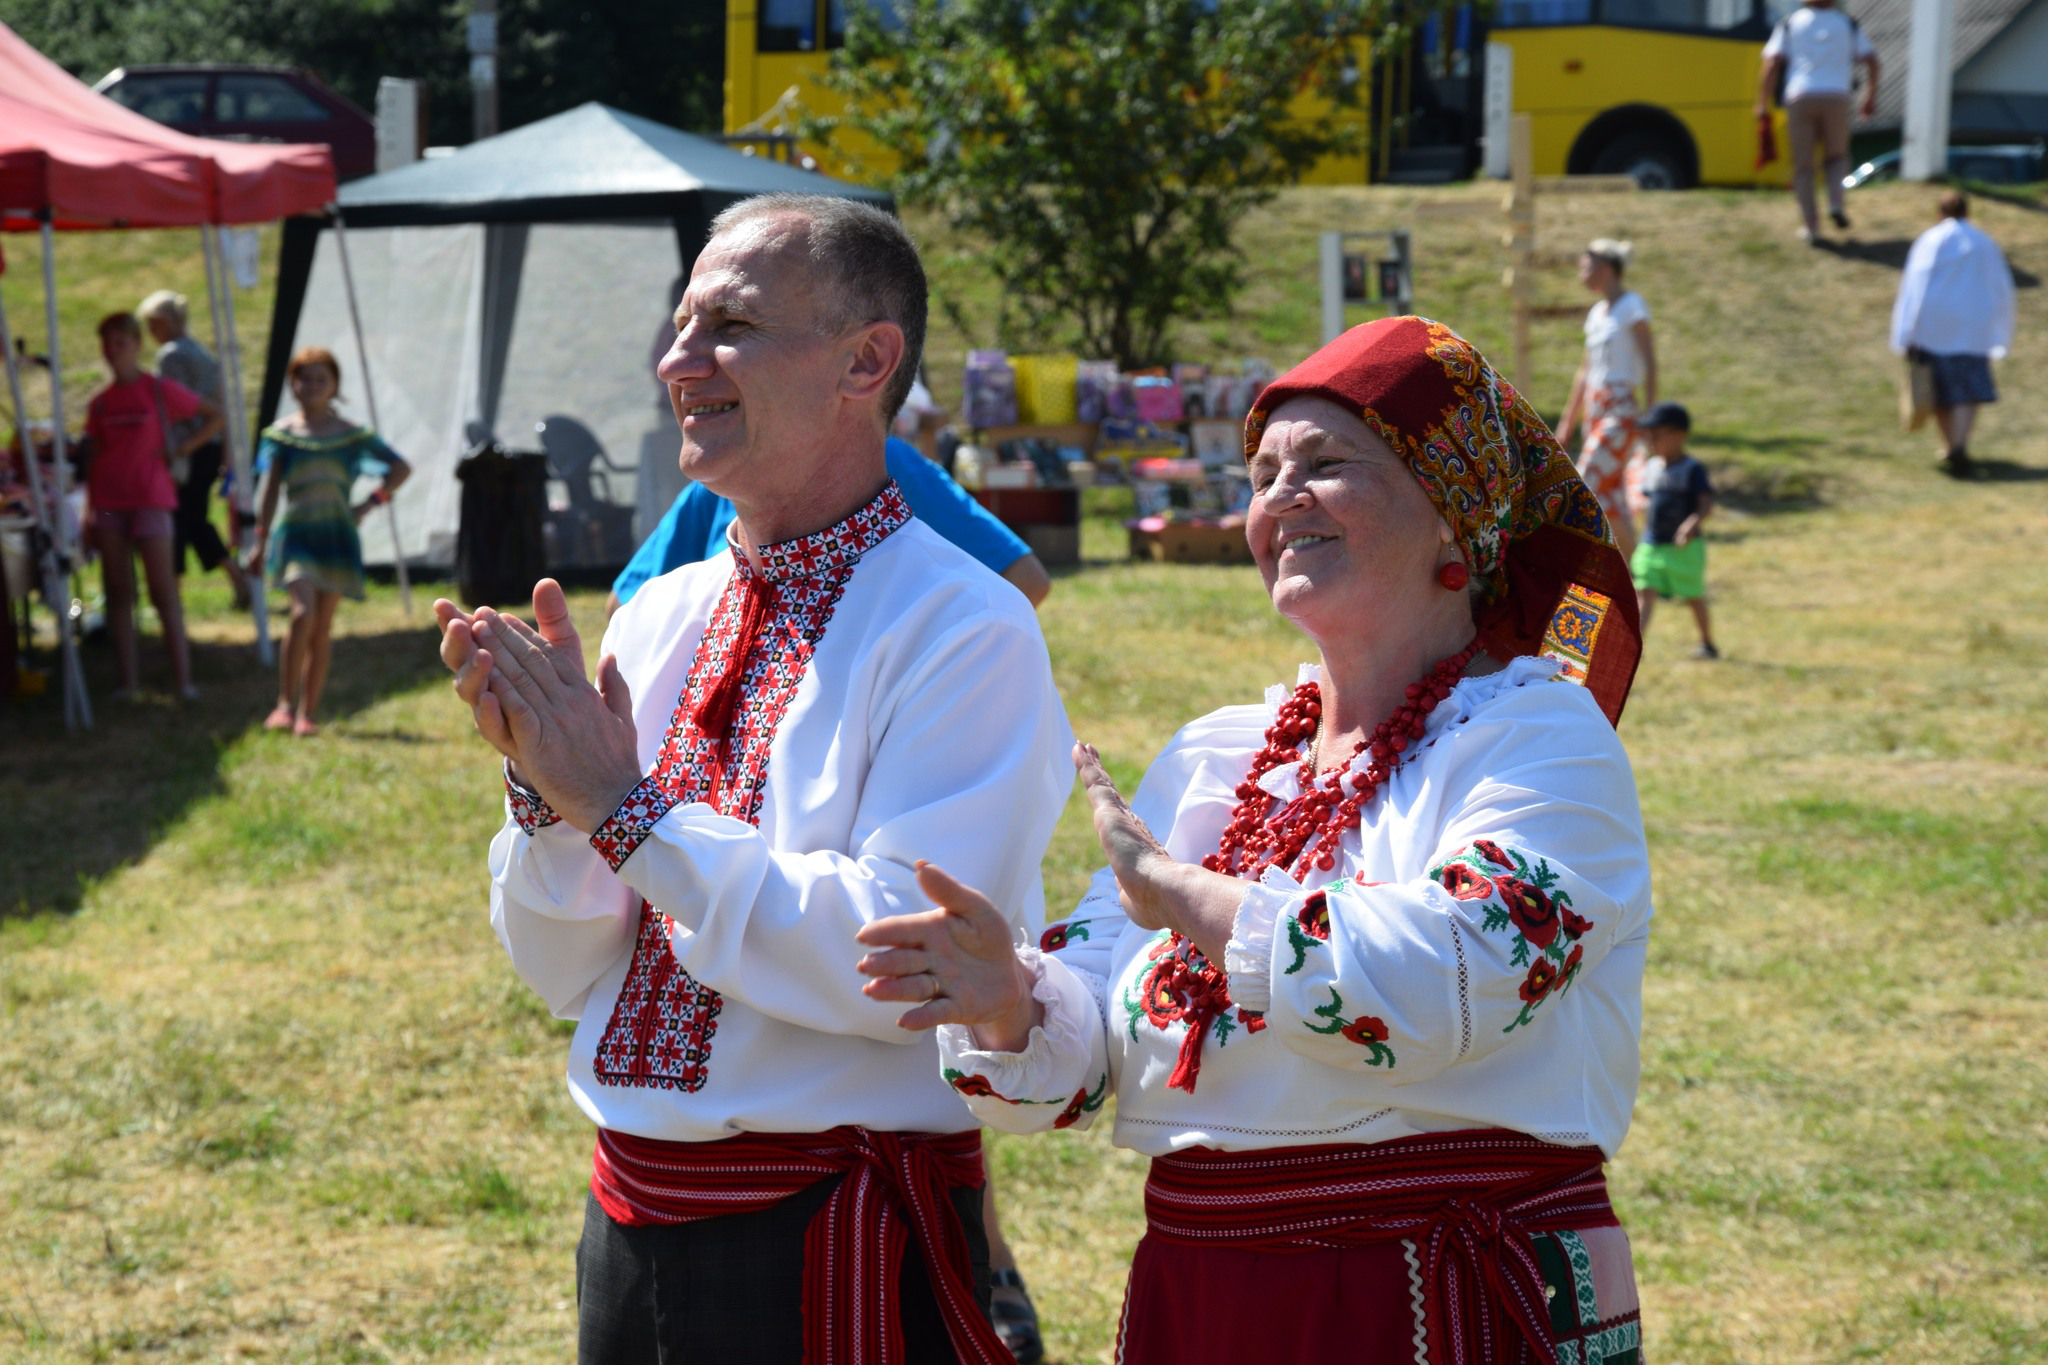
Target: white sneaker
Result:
[1807, 236]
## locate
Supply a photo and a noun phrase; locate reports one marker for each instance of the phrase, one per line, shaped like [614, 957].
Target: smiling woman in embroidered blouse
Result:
[1364, 970]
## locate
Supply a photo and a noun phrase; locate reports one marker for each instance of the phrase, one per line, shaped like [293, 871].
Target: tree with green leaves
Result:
[1102, 150]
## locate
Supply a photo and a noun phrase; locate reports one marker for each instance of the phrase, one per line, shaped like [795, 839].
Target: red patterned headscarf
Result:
[1547, 577]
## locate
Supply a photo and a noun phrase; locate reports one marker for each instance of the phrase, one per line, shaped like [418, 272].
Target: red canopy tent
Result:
[241, 182]
[73, 159]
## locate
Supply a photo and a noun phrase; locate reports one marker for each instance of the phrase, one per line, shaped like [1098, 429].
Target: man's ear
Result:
[875, 352]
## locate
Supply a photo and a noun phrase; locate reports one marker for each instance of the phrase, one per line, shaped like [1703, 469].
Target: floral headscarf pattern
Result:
[1547, 578]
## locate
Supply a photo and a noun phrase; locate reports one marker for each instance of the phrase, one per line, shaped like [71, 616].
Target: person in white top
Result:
[775, 735]
[1621, 358]
[1954, 312]
[1810, 63]
[1364, 970]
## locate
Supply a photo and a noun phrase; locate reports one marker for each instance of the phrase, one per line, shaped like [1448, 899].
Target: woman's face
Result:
[1595, 272]
[313, 386]
[1342, 532]
[162, 328]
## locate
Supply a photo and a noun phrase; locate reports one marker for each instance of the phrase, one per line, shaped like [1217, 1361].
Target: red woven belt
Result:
[1470, 1200]
[895, 1184]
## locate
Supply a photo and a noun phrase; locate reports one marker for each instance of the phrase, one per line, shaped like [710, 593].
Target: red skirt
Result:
[1474, 1247]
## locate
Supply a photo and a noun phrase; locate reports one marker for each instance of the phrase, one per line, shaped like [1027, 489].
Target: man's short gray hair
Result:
[869, 262]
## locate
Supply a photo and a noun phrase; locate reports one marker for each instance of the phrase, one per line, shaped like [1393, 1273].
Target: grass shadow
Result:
[1764, 475]
[84, 805]
[1891, 253]
[2008, 471]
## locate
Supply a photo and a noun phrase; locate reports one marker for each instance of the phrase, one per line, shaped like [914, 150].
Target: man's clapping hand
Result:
[573, 743]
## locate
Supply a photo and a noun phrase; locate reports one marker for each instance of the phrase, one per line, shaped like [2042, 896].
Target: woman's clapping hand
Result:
[957, 964]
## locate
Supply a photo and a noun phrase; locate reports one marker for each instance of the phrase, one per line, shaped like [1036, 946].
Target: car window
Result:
[166, 98]
[1535, 13]
[265, 99]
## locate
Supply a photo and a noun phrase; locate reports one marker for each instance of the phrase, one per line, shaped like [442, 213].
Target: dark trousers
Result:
[191, 529]
[732, 1288]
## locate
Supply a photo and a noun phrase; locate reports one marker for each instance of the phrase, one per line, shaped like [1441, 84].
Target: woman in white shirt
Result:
[1368, 995]
[1620, 358]
[1954, 313]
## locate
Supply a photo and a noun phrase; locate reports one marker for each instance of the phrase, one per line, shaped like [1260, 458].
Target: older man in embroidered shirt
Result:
[774, 738]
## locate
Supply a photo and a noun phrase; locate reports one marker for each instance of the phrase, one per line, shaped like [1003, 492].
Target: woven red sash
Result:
[853, 1251]
[1469, 1200]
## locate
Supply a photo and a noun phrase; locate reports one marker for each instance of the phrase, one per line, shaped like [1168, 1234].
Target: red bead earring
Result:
[1454, 576]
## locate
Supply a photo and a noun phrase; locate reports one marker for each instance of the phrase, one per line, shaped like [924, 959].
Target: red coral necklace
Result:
[1303, 834]
[1183, 986]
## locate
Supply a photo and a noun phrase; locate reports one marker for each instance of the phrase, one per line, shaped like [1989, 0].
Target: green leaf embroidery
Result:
[1334, 1012]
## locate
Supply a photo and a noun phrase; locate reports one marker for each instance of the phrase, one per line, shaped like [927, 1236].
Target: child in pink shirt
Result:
[133, 495]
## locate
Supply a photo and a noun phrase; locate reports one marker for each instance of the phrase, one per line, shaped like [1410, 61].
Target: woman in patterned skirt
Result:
[1364, 969]
[315, 457]
[1620, 360]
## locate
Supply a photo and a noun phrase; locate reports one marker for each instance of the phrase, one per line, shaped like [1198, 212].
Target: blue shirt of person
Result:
[694, 528]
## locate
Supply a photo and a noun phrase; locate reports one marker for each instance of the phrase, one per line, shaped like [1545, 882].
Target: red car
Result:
[250, 104]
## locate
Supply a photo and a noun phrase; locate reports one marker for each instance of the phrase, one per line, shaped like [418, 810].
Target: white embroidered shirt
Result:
[896, 704]
[1474, 960]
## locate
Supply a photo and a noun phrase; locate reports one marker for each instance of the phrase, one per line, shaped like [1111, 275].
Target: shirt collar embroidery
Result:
[836, 548]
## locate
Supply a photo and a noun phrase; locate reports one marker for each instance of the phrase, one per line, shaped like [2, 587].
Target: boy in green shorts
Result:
[1671, 559]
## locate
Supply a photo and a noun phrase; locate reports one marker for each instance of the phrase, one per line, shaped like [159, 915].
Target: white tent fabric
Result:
[587, 302]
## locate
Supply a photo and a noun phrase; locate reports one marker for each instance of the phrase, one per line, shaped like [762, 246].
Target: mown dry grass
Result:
[268, 1090]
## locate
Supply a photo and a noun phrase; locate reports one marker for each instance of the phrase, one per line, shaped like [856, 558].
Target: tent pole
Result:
[355, 320]
[236, 430]
[77, 704]
[48, 514]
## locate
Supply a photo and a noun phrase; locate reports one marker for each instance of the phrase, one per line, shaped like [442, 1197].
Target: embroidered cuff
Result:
[528, 807]
[1248, 957]
[1022, 1077]
[626, 828]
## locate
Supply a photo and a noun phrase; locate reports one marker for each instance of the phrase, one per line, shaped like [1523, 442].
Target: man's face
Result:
[752, 374]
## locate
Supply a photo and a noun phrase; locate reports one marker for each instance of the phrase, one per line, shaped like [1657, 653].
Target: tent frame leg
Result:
[77, 702]
[220, 303]
[355, 322]
[49, 517]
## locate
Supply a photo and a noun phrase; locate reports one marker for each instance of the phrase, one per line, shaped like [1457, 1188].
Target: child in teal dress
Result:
[315, 457]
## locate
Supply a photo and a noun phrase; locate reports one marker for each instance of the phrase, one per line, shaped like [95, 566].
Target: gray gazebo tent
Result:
[528, 277]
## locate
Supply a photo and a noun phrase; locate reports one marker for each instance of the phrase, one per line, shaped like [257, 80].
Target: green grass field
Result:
[268, 1088]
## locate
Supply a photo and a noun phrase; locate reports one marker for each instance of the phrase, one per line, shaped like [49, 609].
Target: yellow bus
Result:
[1659, 89]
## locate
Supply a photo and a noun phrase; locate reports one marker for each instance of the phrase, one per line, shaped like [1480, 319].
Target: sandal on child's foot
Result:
[1014, 1318]
[305, 727]
[280, 717]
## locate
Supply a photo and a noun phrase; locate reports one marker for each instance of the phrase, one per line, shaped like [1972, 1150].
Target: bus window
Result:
[787, 26]
[1697, 15]
[835, 19]
[1542, 13]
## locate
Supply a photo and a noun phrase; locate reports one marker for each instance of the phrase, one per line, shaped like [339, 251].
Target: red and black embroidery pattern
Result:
[1523, 896]
[532, 812]
[661, 1028]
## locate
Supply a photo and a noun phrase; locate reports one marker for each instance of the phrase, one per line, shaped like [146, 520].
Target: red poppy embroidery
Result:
[1083, 1102]
[1465, 884]
[1365, 1030]
[1314, 916]
[1494, 853]
[1575, 924]
[1368, 1031]
[1542, 976]
[1534, 914]
[969, 1085]
[1058, 936]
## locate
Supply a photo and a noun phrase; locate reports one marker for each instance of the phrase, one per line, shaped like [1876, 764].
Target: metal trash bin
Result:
[500, 552]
